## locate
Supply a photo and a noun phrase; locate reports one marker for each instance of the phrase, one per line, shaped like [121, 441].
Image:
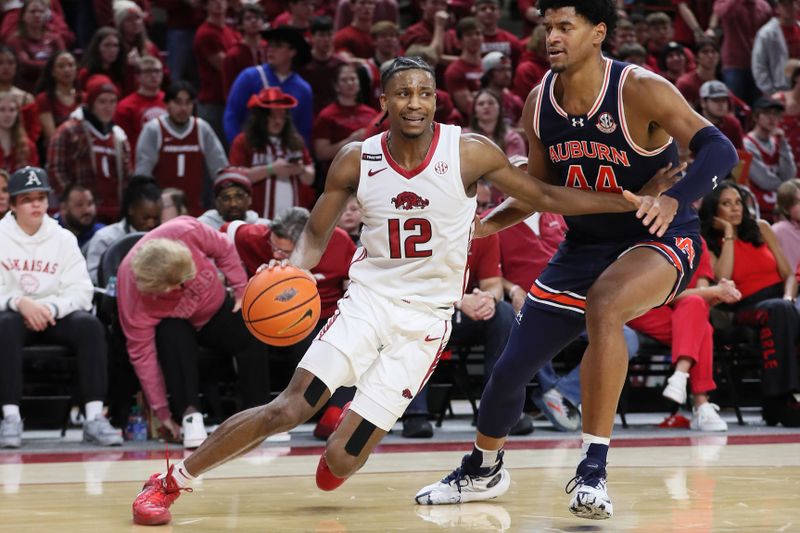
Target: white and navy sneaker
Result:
[461, 487]
[590, 499]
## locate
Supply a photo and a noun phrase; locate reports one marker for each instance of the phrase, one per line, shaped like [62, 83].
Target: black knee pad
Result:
[359, 438]
[314, 391]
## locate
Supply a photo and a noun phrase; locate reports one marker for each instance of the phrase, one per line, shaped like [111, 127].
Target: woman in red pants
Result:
[684, 325]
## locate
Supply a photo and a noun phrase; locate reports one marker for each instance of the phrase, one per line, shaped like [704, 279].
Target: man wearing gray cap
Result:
[46, 296]
[715, 104]
[773, 161]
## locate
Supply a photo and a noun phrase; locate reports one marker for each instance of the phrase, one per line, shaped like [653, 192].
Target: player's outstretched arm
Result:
[340, 184]
[480, 157]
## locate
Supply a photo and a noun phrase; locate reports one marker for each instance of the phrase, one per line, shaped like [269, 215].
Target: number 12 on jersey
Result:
[415, 232]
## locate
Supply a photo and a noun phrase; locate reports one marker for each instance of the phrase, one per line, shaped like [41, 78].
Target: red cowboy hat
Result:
[272, 98]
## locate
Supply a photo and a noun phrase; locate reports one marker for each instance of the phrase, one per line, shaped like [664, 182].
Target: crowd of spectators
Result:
[149, 113]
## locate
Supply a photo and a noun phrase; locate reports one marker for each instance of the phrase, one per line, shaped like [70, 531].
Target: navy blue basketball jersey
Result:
[596, 152]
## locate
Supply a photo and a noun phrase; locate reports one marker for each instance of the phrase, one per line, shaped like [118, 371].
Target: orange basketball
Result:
[281, 306]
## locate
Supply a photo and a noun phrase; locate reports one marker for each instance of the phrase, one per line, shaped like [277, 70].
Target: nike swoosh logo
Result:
[372, 172]
[307, 314]
[429, 339]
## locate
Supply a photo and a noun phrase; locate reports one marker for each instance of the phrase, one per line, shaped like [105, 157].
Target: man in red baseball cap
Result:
[233, 195]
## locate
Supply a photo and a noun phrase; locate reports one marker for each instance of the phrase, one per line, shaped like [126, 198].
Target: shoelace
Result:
[590, 480]
[458, 476]
[170, 487]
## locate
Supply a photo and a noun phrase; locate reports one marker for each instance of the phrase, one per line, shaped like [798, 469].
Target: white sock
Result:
[490, 458]
[93, 410]
[181, 476]
[683, 375]
[11, 410]
[592, 439]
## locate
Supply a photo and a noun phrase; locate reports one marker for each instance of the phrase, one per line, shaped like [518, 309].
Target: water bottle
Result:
[111, 287]
[136, 429]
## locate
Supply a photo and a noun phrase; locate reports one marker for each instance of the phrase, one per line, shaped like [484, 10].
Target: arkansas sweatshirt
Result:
[47, 267]
[198, 300]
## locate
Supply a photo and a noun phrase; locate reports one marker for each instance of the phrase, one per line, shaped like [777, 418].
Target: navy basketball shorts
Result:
[563, 284]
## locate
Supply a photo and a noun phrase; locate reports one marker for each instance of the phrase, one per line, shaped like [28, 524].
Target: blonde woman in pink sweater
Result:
[170, 300]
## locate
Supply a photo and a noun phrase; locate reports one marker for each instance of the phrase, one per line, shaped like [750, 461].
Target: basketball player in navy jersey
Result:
[602, 125]
[416, 188]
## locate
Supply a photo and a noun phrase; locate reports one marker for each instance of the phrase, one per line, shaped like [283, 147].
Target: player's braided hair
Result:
[400, 64]
[595, 11]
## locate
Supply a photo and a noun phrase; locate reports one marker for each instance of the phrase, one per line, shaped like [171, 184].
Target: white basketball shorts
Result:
[387, 349]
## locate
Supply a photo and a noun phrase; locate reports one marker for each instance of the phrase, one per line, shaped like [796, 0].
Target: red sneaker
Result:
[325, 478]
[676, 421]
[151, 506]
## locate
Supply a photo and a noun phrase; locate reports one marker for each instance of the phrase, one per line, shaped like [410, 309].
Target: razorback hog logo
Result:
[408, 200]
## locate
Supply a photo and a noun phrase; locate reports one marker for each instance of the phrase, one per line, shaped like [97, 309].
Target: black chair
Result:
[50, 370]
[453, 372]
[122, 380]
[652, 359]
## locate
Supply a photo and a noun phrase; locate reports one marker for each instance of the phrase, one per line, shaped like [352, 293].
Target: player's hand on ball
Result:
[665, 178]
[273, 263]
[656, 213]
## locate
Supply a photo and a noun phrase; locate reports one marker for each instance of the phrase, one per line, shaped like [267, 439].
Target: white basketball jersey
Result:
[417, 223]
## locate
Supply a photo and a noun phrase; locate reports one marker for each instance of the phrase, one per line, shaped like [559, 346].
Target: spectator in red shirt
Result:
[739, 21]
[673, 63]
[691, 23]
[486, 119]
[624, 34]
[25, 100]
[211, 41]
[298, 15]
[385, 10]
[129, 20]
[355, 40]
[689, 83]
[104, 56]
[386, 36]
[790, 123]
[281, 167]
[715, 105]
[533, 66]
[494, 38]
[250, 51]
[422, 31]
[57, 94]
[54, 21]
[323, 65]
[634, 53]
[33, 42]
[16, 149]
[497, 77]
[463, 76]
[342, 122]
[659, 33]
[147, 103]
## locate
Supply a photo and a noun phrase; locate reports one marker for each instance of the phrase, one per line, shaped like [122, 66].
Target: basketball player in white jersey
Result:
[416, 187]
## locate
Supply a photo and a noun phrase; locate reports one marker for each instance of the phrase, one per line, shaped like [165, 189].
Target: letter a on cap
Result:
[33, 179]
